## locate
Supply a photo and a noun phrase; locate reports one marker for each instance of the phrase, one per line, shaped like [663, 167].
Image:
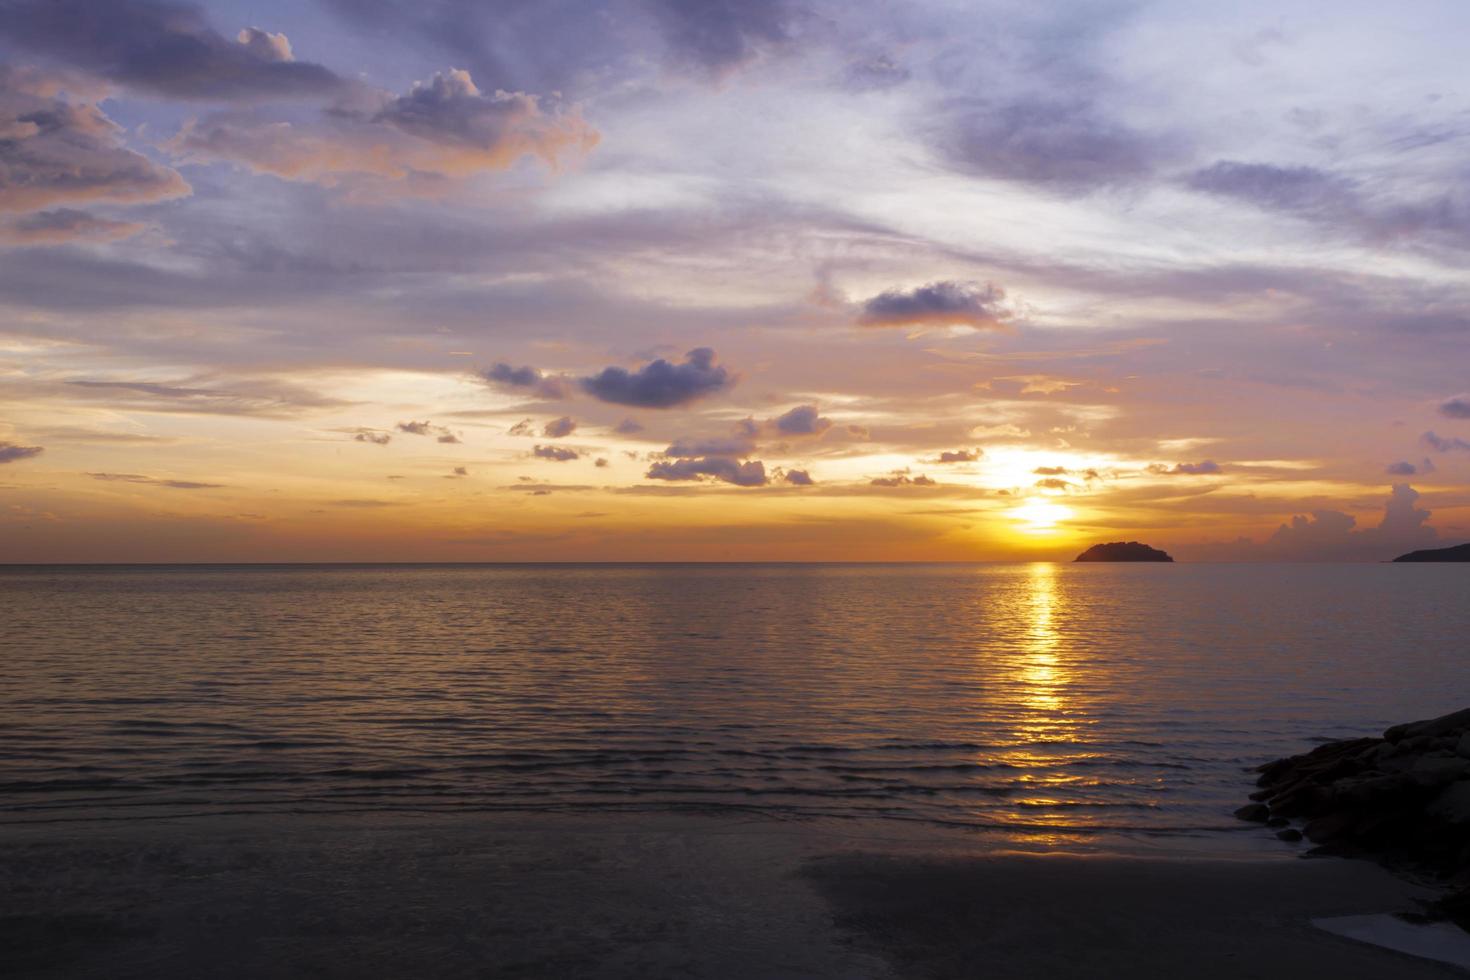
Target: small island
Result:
[1123, 551]
[1460, 552]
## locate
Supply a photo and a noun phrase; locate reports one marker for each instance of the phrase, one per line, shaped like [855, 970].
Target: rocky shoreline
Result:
[1402, 800]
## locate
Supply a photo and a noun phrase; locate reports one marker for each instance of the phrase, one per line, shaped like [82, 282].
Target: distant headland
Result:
[1460, 552]
[1123, 551]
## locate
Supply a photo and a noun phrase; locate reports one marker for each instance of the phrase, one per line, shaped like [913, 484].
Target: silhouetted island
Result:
[1123, 551]
[1460, 552]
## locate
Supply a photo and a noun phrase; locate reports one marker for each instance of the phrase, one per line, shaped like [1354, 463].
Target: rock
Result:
[1459, 552]
[1277, 822]
[1452, 805]
[1462, 747]
[1254, 812]
[1291, 835]
[1432, 771]
[1123, 551]
[1457, 721]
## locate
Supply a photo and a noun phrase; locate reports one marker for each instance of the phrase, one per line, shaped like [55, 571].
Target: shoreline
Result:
[659, 895]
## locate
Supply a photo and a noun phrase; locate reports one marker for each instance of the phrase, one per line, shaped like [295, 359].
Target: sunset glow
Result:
[730, 288]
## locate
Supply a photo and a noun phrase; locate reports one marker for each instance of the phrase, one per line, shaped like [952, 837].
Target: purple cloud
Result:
[803, 420]
[938, 304]
[10, 452]
[559, 428]
[1457, 407]
[726, 469]
[660, 384]
[162, 47]
[557, 454]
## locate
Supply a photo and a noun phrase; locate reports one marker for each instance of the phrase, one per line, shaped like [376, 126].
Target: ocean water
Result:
[1040, 702]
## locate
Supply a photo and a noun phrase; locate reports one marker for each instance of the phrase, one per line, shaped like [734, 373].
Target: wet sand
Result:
[398, 895]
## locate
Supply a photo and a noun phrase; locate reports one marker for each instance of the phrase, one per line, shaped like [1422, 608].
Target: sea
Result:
[1041, 704]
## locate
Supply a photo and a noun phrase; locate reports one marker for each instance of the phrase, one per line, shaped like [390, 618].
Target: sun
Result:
[1040, 516]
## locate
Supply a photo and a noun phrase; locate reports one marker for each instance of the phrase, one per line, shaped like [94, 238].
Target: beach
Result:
[666, 895]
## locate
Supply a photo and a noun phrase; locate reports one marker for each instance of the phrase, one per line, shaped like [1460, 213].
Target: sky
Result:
[645, 280]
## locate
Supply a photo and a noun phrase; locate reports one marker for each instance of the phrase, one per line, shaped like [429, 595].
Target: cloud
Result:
[726, 469]
[660, 384]
[600, 463]
[10, 452]
[803, 420]
[1206, 467]
[1334, 200]
[1064, 146]
[163, 48]
[628, 427]
[153, 481]
[64, 225]
[720, 446]
[938, 304]
[1456, 408]
[522, 428]
[1442, 444]
[558, 428]
[1401, 469]
[445, 127]
[1050, 471]
[502, 375]
[1053, 483]
[262, 397]
[1301, 189]
[54, 151]
[439, 432]
[558, 454]
[459, 472]
[899, 479]
[569, 45]
[959, 456]
[372, 436]
[1330, 535]
[720, 35]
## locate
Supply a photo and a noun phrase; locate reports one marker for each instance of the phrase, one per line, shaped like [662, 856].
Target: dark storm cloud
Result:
[164, 48]
[660, 384]
[54, 151]
[803, 420]
[1456, 408]
[504, 376]
[557, 454]
[64, 225]
[154, 481]
[10, 452]
[726, 469]
[938, 304]
[559, 428]
[1064, 146]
